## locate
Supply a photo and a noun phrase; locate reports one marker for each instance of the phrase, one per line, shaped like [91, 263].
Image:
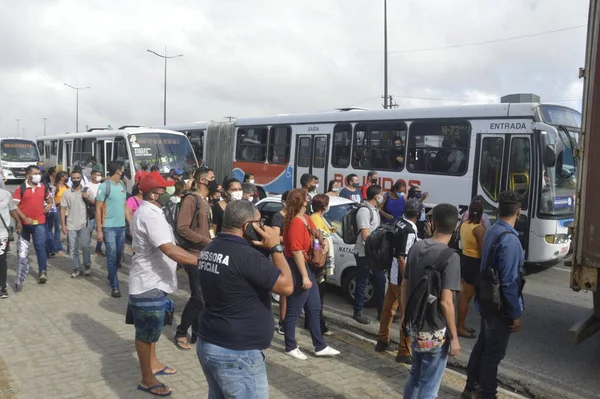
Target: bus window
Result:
[342, 139]
[54, 147]
[40, 145]
[279, 144]
[252, 144]
[86, 152]
[197, 140]
[490, 171]
[439, 147]
[379, 145]
[60, 152]
[47, 152]
[76, 153]
[519, 168]
[303, 160]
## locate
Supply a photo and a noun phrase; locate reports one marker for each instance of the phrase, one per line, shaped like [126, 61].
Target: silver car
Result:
[345, 263]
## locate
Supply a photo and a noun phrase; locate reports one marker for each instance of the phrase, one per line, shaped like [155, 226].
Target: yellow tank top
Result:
[468, 240]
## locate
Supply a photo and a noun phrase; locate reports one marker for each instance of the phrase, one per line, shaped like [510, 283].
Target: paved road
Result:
[539, 356]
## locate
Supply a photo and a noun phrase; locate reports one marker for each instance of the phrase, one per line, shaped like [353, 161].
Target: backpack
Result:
[488, 291]
[107, 194]
[350, 229]
[423, 308]
[379, 246]
[316, 258]
[171, 212]
[23, 188]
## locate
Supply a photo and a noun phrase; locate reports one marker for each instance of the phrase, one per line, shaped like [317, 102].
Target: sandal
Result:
[152, 390]
[165, 371]
[182, 343]
[469, 334]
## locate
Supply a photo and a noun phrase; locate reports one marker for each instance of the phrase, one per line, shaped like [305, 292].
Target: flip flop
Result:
[180, 342]
[164, 371]
[151, 389]
[469, 335]
[471, 330]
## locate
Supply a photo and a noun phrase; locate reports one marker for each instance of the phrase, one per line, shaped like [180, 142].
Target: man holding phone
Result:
[76, 226]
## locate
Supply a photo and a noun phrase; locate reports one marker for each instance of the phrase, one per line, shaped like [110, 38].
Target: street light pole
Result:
[77, 104]
[44, 125]
[18, 120]
[385, 58]
[165, 57]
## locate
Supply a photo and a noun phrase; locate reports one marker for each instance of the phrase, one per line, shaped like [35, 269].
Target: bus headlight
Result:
[557, 238]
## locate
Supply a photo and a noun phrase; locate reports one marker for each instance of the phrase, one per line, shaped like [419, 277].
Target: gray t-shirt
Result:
[367, 217]
[6, 205]
[77, 209]
[424, 253]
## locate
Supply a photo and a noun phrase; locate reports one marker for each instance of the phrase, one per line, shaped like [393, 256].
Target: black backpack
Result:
[423, 311]
[46, 189]
[350, 230]
[171, 212]
[379, 246]
[488, 291]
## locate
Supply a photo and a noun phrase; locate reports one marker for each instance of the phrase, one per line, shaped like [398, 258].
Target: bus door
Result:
[488, 172]
[107, 156]
[311, 157]
[69, 156]
[519, 178]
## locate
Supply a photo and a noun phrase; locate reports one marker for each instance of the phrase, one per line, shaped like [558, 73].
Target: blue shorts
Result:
[148, 311]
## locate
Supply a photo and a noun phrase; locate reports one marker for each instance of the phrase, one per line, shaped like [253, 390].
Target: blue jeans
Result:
[363, 272]
[38, 233]
[57, 232]
[488, 352]
[50, 221]
[114, 240]
[310, 300]
[233, 374]
[92, 226]
[426, 373]
[80, 239]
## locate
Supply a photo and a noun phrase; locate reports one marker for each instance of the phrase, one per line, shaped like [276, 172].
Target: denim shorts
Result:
[148, 311]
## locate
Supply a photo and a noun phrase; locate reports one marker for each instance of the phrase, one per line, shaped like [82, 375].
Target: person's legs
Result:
[312, 310]
[120, 246]
[57, 232]
[362, 277]
[189, 316]
[110, 241]
[322, 291]
[84, 244]
[23, 245]
[39, 242]
[72, 239]
[390, 305]
[466, 294]
[425, 381]
[295, 303]
[411, 386]
[3, 265]
[50, 246]
[497, 335]
[380, 281]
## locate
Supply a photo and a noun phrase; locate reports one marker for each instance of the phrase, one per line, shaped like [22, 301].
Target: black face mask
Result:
[76, 183]
[250, 233]
[373, 181]
[212, 185]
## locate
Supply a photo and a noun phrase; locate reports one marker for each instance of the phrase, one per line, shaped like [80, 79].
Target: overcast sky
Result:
[264, 57]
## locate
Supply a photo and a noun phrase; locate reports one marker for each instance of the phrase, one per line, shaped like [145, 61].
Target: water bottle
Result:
[316, 244]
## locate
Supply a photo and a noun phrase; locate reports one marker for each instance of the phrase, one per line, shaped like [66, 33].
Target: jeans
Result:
[92, 226]
[193, 308]
[3, 264]
[426, 373]
[114, 240]
[488, 352]
[239, 374]
[50, 223]
[80, 239]
[38, 232]
[363, 271]
[322, 291]
[57, 232]
[295, 302]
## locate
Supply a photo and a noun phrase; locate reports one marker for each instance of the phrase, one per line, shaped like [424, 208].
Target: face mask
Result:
[380, 199]
[401, 194]
[76, 183]
[250, 233]
[212, 185]
[170, 190]
[356, 185]
[236, 195]
[36, 179]
[163, 199]
[373, 181]
[98, 179]
[250, 199]
[42, 169]
[251, 181]
[335, 189]
[418, 195]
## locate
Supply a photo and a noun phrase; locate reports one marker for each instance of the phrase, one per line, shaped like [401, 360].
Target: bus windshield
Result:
[19, 151]
[165, 150]
[559, 181]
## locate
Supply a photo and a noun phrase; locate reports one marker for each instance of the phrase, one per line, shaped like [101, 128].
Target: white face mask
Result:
[317, 185]
[251, 181]
[99, 178]
[335, 189]
[250, 199]
[401, 194]
[236, 195]
[36, 179]
[380, 199]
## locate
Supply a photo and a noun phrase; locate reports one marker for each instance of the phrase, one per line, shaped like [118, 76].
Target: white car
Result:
[345, 264]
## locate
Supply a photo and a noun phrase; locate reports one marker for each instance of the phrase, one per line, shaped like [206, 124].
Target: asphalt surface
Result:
[539, 361]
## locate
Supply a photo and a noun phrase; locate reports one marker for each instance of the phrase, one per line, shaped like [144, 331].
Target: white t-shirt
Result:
[410, 240]
[93, 190]
[6, 205]
[151, 268]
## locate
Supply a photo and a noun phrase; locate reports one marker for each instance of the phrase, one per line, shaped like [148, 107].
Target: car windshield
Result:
[558, 185]
[165, 150]
[336, 213]
[19, 151]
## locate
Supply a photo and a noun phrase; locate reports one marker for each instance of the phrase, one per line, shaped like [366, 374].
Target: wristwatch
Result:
[276, 249]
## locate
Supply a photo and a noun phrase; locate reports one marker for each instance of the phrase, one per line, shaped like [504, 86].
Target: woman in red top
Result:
[297, 242]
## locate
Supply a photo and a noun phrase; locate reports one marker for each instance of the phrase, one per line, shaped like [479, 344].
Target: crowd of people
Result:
[235, 263]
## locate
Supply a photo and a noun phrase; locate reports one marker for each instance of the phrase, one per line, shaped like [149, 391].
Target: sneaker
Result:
[279, 328]
[116, 294]
[297, 354]
[361, 318]
[381, 346]
[75, 274]
[403, 359]
[469, 393]
[43, 278]
[328, 333]
[88, 271]
[3, 294]
[328, 351]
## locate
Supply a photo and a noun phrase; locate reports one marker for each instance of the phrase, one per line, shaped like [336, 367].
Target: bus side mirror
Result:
[549, 156]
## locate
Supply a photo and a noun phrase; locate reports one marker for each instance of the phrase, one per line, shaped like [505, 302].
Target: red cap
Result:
[153, 180]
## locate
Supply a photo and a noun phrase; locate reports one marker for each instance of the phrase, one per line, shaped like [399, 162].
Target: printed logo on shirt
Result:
[209, 261]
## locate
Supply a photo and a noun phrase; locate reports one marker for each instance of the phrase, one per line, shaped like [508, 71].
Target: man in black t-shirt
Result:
[237, 324]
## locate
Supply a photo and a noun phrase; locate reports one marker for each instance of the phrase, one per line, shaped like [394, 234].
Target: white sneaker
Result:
[297, 354]
[328, 351]
[75, 274]
[87, 272]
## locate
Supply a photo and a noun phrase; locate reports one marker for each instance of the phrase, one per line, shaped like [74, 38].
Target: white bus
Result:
[16, 154]
[454, 153]
[130, 145]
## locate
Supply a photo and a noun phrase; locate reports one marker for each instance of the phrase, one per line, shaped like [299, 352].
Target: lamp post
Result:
[385, 58]
[77, 104]
[18, 120]
[44, 125]
[165, 57]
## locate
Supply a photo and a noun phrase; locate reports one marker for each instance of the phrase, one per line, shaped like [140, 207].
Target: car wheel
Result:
[349, 286]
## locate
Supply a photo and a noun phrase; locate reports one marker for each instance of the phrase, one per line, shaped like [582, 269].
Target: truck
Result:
[585, 264]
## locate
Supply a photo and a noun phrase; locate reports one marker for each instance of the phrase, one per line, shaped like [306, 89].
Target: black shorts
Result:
[469, 269]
